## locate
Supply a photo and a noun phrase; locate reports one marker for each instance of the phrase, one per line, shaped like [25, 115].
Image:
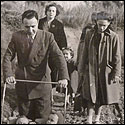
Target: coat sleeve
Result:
[116, 57]
[61, 37]
[40, 25]
[83, 57]
[7, 59]
[58, 58]
[84, 31]
[83, 34]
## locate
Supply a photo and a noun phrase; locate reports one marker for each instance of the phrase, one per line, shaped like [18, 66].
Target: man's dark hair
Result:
[29, 14]
[104, 16]
[52, 5]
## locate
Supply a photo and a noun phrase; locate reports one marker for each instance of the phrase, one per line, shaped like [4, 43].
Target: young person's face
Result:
[30, 26]
[102, 25]
[51, 13]
[53, 119]
[67, 55]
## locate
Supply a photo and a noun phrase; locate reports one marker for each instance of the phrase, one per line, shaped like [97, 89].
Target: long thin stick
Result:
[65, 103]
[4, 92]
[31, 81]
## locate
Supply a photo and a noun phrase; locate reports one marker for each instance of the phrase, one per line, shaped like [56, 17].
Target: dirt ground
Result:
[107, 116]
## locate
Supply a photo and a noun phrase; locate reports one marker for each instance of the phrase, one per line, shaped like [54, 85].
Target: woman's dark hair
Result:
[52, 5]
[104, 16]
[29, 14]
[69, 49]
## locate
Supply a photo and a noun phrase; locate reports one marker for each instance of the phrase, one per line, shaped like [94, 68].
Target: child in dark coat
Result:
[72, 70]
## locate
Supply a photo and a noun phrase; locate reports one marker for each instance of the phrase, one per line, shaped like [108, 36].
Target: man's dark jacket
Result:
[33, 65]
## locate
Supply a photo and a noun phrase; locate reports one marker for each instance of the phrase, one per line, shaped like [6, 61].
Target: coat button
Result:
[99, 69]
[90, 84]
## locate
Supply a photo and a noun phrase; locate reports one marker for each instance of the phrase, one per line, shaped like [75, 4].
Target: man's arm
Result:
[83, 57]
[59, 60]
[7, 59]
[116, 58]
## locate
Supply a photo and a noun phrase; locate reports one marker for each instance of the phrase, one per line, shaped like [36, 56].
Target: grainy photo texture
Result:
[62, 62]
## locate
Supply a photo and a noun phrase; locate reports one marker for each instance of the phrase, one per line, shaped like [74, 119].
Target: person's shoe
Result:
[87, 122]
[120, 118]
[22, 120]
[97, 122]
[72, 102]
[12, 120]
[52, 101]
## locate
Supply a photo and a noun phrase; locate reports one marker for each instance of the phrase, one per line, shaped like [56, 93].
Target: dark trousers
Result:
[54, 71]
[35, 108]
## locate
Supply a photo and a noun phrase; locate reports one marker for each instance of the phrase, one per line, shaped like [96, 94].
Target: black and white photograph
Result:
[62, 62]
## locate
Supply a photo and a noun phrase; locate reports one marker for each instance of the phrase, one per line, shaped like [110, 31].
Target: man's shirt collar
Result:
[33, 36]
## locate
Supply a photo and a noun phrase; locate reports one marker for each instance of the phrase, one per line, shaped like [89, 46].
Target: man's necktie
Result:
[30, 42]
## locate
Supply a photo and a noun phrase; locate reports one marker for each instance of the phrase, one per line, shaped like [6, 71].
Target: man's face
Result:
[102, 25]
[51, 13]
[30, 26]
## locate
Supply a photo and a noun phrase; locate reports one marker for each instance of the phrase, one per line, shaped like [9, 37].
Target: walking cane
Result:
[37, 82]
[4, 92]
[65, 103]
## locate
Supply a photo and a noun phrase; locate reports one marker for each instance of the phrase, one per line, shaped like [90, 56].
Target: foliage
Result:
[76, 17]
[80, 15]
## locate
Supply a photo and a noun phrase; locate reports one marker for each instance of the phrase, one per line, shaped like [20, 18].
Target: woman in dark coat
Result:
[89, 26]
[51, 24]
[100, 66]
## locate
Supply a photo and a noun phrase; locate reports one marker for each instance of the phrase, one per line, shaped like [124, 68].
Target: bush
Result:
[12, 20]
[79, 16]
[76, 17]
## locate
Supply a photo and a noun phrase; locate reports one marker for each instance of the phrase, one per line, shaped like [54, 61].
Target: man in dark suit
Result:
[33, 48]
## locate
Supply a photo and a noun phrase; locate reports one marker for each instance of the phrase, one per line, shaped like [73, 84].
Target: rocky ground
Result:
[107, 116]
